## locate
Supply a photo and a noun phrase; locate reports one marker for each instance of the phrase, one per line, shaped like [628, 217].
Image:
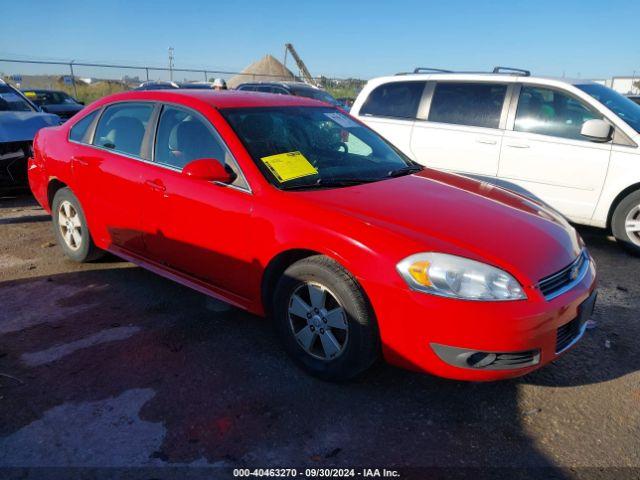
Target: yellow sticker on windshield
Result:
[288, 166]
[30, 94]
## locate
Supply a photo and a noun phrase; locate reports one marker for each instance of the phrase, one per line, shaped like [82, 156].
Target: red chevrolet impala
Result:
[288, 207]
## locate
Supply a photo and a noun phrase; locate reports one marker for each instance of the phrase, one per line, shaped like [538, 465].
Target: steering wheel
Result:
[343, 145]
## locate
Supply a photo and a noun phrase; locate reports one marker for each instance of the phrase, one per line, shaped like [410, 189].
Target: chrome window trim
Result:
[247, 190]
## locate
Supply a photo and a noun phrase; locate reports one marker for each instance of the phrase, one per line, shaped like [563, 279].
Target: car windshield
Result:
[315, 147]
[626, 109]
[11, 101]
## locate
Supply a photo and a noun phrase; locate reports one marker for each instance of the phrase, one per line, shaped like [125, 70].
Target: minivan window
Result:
[465, 103]
[395, 100]
[624, 107]
[551, 112]
[79, 130]
[122, 127]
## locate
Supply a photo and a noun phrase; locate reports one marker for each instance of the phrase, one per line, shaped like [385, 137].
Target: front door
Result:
[546, 155]
[194, 226]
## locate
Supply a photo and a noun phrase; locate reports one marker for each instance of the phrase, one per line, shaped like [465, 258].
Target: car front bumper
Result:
[459, 339]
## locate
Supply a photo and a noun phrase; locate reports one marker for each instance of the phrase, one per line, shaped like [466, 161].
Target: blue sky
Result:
[590, 39]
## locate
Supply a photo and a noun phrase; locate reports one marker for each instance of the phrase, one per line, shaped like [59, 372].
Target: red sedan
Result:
[288, 207]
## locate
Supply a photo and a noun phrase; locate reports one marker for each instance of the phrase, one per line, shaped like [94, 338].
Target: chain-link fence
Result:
[90, 81]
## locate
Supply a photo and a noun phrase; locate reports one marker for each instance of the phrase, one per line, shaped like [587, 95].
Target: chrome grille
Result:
[561, 281]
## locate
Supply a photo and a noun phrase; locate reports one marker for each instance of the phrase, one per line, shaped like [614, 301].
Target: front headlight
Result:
[458, 277]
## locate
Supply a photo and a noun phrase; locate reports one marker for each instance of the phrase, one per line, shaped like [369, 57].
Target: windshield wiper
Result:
[332, 182]
[405, 170]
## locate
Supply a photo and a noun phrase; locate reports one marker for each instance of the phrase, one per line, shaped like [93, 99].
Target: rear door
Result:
[196, 227]
[462, 128]
[110, 172]
[545, 154]
[391, 110]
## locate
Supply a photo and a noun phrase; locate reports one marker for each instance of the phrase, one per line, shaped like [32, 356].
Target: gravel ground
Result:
[113, 369]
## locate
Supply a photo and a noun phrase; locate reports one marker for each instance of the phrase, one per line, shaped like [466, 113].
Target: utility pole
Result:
[171, 63]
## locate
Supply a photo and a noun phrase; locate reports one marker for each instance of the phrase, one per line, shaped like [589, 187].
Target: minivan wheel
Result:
[70, 228]
[625, 223]
[324, 319]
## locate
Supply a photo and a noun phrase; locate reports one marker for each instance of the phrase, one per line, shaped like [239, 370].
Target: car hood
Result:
[22, 126]
[462, 216]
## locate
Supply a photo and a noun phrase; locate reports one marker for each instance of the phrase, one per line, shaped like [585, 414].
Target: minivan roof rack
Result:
[432, 70]
[514, 71]
[496, 70]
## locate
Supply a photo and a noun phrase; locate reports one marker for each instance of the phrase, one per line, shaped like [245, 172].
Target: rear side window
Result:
[473, 104]
[79, 131]
[122, 127]
[550, 112]
[395, 100]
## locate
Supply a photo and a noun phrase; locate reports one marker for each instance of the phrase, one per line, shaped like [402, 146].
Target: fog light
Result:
[481, 359]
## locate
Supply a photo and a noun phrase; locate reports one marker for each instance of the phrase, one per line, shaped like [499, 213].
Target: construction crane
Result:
[304, 72]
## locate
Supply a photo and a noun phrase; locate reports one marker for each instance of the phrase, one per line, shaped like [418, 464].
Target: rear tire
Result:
[324, 319]
[625, 223]
[70, 228]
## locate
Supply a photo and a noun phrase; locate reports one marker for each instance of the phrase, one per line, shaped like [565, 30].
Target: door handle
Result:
[486, 141]
[517, 145]
[155, 185]
[80, 161]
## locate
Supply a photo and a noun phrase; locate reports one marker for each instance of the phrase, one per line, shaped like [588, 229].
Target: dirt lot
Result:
[107, 365]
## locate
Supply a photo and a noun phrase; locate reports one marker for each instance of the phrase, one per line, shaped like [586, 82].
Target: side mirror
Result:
[596, 130]
[208, 169]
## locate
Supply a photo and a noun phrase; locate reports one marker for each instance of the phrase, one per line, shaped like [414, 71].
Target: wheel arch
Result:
[52, 188]
[275, 268]
[619, 198]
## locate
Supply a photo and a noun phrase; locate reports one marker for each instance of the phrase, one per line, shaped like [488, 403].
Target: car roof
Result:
[495, 77]
[218, 99]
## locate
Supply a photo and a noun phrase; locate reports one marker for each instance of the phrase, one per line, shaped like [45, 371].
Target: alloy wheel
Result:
[70, 225]
[632, 225]
[318, 321]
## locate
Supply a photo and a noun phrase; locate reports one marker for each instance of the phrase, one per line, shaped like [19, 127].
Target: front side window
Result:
[628, 109]
[183, 136]
[122, 127]
[78, 132]
[395, 100]
[465, 103]
[315, 147]
[551, 112]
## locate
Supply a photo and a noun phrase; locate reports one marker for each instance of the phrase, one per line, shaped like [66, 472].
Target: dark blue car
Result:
[20, 120]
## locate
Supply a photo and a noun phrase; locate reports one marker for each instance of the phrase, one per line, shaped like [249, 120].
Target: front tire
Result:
[625, 223]
[70, 228]
[324, 319]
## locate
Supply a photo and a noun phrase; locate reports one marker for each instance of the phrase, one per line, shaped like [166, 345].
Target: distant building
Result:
[624, 85]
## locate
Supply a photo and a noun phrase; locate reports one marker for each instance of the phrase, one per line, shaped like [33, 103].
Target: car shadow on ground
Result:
[121, 367]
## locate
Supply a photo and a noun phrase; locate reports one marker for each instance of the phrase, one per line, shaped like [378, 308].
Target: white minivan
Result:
[571, 144]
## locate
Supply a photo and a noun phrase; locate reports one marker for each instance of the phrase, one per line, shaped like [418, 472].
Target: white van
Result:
[572, 144]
